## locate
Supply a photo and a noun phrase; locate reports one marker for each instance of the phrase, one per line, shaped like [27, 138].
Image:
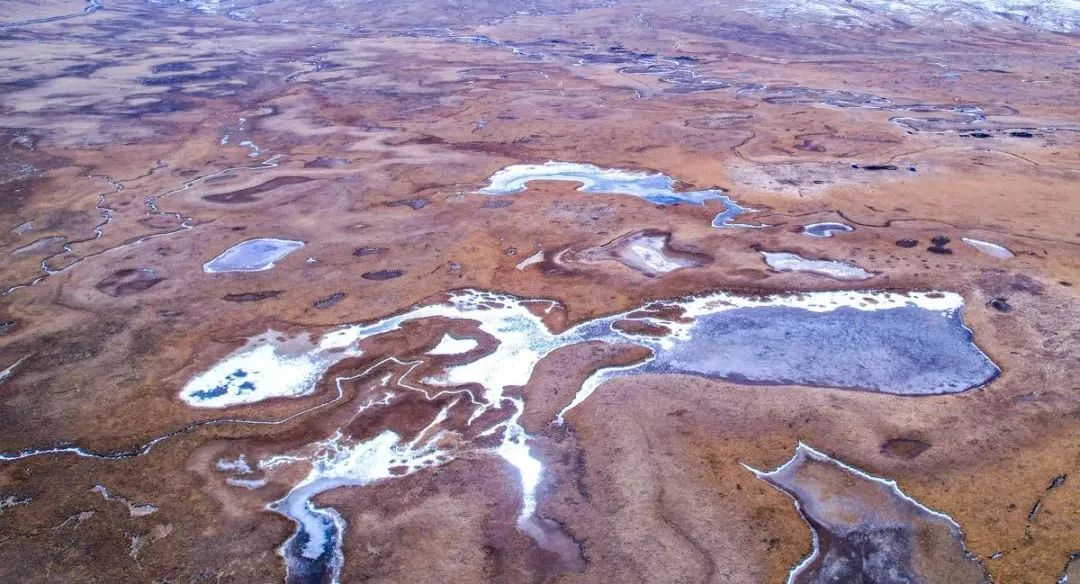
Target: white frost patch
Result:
[134, 509]
[535, 258]
[991, 249]
[789, 262]
[246, 483]
[75, 521]
[254, 148]
[453, 346]
[141, 540]
[10, 370]
[13, 501]
[238, 465]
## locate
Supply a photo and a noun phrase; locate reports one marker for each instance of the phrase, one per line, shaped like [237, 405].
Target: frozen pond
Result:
[826, 229]
[647, 251]
[845, 347]
[253, 255]
[889, 324]
[789, 262]
[865, 529]
[654, 187]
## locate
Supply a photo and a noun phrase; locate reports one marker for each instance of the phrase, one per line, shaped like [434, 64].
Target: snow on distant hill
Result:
[1052, 15]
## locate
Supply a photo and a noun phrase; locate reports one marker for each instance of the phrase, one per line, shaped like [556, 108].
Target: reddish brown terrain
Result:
[539, 291]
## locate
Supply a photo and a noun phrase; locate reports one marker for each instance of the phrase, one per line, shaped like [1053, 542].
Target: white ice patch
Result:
[535, 258]
[990, 249]
[591, 384]
[654, 187]
[259, 371]
[515, 451]
[338, 462]
[450, 345]
[805, 450]
[789, 262]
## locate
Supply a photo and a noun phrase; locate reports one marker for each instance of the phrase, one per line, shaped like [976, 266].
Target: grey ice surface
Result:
[908, 350]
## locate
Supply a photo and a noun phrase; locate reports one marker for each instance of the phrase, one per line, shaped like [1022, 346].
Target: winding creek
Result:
[682, 75]
[91, 7]
[857, 340]
[488, 345]
[902, 344]
[150, 203]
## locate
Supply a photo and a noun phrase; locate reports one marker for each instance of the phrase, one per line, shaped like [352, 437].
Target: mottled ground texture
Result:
[857, 441]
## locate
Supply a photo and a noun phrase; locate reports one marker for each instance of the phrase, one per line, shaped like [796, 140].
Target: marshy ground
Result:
[569, 291]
